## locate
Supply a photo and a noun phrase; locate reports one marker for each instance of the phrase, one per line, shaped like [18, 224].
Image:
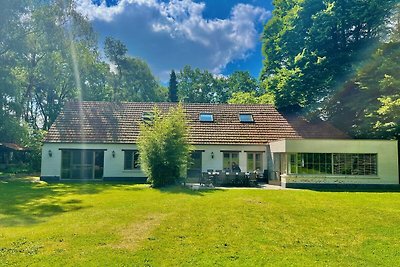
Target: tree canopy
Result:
[337, 60]
[312, 46]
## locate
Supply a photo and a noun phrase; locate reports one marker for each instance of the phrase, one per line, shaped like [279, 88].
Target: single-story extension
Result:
[97, 141]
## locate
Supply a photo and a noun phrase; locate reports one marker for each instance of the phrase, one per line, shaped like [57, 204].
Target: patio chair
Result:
[253, 179]
[203, 178]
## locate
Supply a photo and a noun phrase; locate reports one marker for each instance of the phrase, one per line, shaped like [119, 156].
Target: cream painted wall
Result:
[217, 162]
[385, 149]
[114, 167]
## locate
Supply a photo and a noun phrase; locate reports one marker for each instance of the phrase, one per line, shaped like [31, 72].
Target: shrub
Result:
[163, 146]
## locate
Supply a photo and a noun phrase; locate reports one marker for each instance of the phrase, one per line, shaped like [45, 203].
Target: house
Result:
[97, 141]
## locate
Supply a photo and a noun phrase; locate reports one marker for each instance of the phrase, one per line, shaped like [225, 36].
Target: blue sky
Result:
[218, 35]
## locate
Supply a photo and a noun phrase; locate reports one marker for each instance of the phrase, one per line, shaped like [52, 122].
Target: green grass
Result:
[109, 224]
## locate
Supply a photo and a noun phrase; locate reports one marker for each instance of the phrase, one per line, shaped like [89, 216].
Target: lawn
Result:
[111, 224]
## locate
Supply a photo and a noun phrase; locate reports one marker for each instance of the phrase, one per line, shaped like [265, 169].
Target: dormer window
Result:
[246, 118]
[206, 117]
[148, 117]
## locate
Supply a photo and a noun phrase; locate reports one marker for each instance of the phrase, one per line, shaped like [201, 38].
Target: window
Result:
[231, 162]
[254, 161]
[246, 118]
[333, 163]
[195, 167]
[131, 161]
[148, 117]
[206, 117]
[355, 164]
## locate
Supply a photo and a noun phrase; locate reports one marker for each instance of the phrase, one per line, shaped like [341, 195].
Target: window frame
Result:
[133, 164]
[230, 153]
[254, 158]
[335, 164]
[202, 119]
[246, 114]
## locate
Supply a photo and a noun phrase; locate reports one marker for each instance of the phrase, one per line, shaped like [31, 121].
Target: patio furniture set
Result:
[227, 178]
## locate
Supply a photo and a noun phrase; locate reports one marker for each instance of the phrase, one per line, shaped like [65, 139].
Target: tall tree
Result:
[115, 51]
[369, 103]
[138, 82]
[311, 46]
[242, 81]
[133, 79]
[197, 86]
[173, 87]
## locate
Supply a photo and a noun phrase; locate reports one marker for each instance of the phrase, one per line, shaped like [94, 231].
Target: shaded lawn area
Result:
[112, 224]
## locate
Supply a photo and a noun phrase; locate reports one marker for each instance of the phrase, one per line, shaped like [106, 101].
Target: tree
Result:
[163, 145]
[375, 86]
[133, 80]
[242, 81]
[138, 83]
[195, 86]
[251, 98]
[312, 46]
[173, 87]
[115, 51]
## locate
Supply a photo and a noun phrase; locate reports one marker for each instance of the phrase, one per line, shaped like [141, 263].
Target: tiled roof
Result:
[106, 122]
[11, 146]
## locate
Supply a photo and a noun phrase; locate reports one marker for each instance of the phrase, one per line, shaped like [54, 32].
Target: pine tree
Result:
[173, 87]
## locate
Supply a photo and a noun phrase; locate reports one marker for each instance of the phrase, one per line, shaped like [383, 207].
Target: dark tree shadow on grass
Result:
[188, 191]
[25, 202]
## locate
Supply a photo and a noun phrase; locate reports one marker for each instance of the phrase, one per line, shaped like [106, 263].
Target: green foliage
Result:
[163, 147]
[311, 46]
[173, 87]
[115, 50]
[34, 143]
[133, 80]
[11, 129]
[369, 103]
[197, 86]
[242, 81]
[138, 83]
[251, 98]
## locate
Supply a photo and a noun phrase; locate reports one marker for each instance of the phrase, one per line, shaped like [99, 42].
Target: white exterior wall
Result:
[114, 167]
[217, 162]
[387, 159]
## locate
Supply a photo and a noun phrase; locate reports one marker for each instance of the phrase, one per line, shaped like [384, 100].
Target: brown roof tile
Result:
[106, 122]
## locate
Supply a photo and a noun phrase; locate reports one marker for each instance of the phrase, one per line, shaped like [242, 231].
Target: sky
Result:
[218, 35]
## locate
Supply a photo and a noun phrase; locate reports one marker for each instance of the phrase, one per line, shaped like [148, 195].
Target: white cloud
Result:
[173, 34]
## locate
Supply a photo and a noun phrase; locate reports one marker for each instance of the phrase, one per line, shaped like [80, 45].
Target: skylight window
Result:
[246, 118]
[206, 117]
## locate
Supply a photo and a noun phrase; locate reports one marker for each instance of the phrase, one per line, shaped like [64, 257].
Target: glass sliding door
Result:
[82, 164]
[195, 167]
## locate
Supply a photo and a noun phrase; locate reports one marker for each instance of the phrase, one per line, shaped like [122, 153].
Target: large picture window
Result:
[131, 160]
[333, 163]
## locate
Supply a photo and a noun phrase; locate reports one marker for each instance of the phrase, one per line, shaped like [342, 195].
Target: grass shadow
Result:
[177, 189]
[23, 202]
